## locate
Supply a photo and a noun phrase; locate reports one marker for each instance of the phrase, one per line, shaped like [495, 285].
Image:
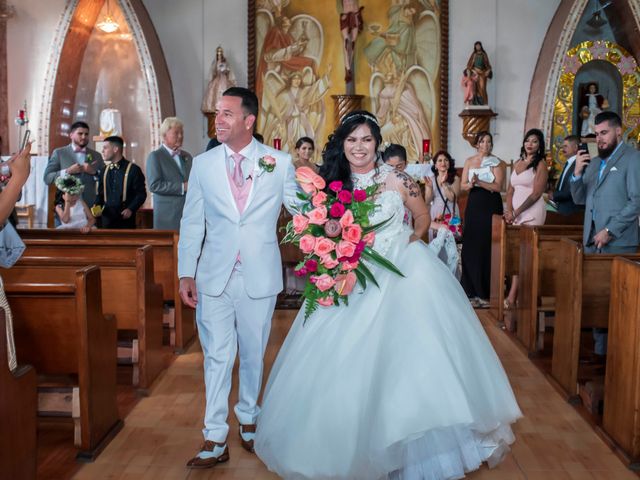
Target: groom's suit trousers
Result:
[226, 323]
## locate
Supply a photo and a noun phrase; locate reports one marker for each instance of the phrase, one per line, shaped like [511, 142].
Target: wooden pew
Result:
[128, 293]
[582, 301]
[18, 406]
[622, 379]
[165, 254]
[505, 244]
[60, 329]
[505, 254]
[538, 265]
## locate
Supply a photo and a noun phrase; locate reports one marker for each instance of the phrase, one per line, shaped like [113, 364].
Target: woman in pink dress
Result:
[525, 205]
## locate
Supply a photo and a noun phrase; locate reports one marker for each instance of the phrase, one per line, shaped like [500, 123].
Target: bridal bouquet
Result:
[333, 232]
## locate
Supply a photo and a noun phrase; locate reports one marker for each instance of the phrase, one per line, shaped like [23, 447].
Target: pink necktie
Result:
[175, 152]
[80, 150]
[238, 177]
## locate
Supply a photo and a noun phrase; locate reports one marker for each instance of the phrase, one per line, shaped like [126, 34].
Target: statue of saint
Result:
[591, 104]
[220, 78]
[110, 122]
[479, 64]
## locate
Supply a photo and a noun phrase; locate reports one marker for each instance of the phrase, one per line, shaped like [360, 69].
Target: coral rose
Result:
[326, 301]
[337, 210]
[345, 283]
[319, 199]
[332, 228]
[347, 265]
[369, 238]
[309, 180]
[324, 282]
[307, 243]
[329, 262]
[359, 195]
[318, 216]
[353, 233]
[336, 186]
[344, 196]
[324, 246]
[300, 223]
[347, 219]
[345, 249]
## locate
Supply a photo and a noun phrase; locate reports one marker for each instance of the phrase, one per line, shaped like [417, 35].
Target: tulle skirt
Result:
[402, 383]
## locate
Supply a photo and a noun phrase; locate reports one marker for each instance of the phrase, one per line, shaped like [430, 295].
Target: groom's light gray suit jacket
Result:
[213, 232]
[613, 201]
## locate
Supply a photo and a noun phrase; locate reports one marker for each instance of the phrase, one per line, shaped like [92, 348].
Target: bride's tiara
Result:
[361, 115]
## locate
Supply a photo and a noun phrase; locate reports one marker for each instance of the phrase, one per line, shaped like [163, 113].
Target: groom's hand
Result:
[188, 292]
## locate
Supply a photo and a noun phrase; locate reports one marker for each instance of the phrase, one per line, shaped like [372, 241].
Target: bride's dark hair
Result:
[335, 164]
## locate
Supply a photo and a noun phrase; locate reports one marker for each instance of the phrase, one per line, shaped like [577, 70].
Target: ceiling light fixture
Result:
[108, 24]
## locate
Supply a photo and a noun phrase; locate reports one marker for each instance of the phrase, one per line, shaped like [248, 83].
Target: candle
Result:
[426, 143]
[277, 143]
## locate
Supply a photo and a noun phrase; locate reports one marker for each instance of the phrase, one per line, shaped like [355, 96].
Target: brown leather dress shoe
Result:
[208, 446]
[247, 444]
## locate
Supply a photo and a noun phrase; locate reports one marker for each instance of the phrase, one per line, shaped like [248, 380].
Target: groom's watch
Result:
[608, 231]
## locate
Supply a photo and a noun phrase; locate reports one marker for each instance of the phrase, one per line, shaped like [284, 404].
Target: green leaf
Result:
[367, 273]
[362, 280]
[370, 254]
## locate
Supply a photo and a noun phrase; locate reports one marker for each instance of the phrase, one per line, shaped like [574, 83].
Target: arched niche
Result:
[621, 64]
[608, 83]
[625, 14]
[76, 87]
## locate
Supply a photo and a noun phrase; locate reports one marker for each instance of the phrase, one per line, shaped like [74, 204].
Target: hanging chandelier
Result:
[108, 24]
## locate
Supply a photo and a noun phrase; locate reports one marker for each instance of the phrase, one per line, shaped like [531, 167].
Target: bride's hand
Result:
[413, 238]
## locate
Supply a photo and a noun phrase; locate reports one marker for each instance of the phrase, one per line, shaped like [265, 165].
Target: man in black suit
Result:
[562, 193]
[121, 187]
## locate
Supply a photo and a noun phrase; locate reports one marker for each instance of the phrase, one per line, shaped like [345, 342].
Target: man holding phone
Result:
[76, 159]
[609, 185]
[562, 194]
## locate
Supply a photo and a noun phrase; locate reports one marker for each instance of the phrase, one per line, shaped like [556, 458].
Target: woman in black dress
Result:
[483, 177]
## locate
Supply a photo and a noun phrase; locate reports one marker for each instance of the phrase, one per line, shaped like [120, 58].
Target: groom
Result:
[229, 264]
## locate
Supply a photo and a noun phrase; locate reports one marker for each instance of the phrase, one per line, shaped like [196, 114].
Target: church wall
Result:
[511, 32]
[29, 37]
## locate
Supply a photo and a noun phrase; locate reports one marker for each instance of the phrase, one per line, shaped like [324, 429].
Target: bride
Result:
[402, 383]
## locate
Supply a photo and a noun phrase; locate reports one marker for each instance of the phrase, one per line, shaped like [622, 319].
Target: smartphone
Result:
[584, 148]
[25, 139]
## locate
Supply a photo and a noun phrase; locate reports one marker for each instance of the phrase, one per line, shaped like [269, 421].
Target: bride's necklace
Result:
[364, 180]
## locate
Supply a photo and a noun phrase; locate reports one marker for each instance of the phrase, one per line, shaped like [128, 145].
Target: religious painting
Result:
[302, 52]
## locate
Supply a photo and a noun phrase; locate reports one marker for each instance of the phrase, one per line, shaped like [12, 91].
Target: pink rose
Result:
[352, 233]
[337, 210]
[345, 249]
[309, 180]
[332, 228]
[318, 216]
[329, 262]
[269, 160]
[359, 195]
[311, 266]
[347, 265]
[336, 186]
[301, 272]
[324, 246]
[345, 283]
[369, 238]
[326, 301]
[307, 243]
[300, 223]
[344, 196]
[324, 282]
[319, 199]
[347, 219]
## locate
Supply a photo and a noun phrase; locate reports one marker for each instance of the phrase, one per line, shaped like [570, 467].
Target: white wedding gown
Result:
[402, 383]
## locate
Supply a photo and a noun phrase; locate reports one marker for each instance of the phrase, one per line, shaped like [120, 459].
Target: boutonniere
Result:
[89, 158]
[267, 163]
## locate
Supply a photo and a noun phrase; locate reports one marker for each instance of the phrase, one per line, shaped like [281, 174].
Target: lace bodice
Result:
[389, 204]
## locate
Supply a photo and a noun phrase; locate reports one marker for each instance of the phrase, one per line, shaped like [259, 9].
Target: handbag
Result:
[448, 217]
[11, 246]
